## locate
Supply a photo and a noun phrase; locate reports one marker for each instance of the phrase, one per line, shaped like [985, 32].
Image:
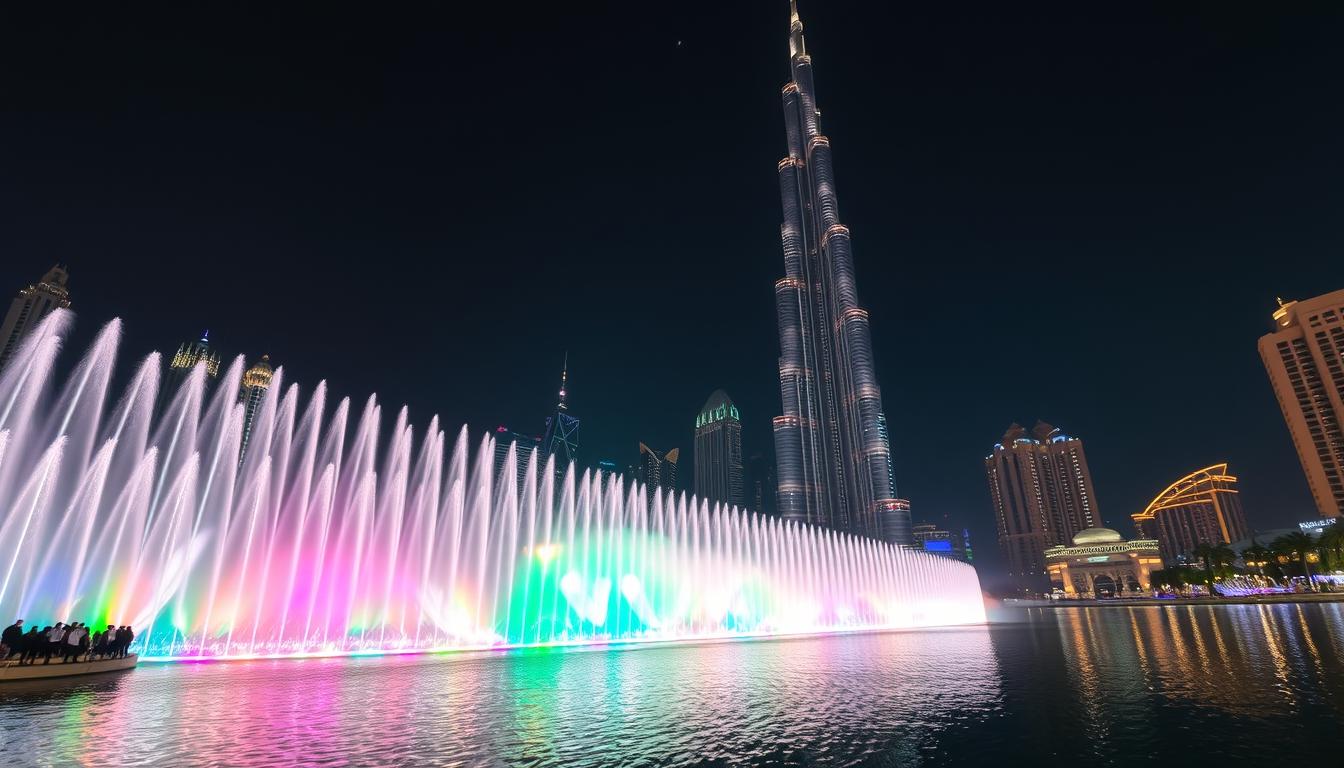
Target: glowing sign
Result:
[1316, 525]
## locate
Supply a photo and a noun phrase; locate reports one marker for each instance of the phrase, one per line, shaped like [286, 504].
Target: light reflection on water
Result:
[1105, 685]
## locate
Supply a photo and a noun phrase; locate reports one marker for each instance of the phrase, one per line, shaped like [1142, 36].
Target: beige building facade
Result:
[1102, 564]
[1042, 493]
[1304, 356]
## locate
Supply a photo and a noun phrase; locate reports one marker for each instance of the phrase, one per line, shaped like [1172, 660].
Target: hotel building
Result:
[1304, 356]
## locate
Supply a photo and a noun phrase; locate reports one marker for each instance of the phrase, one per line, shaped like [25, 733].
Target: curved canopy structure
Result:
[1197, 486]
[1202, 507]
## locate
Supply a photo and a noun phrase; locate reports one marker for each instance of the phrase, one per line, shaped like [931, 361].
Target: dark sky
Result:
[1080, 216]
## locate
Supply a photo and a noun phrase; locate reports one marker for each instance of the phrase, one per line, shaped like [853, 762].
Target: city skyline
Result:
[975, 212]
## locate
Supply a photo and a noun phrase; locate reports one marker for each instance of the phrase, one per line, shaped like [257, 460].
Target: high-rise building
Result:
[562, 429]
[189, 355]
[938, 541]
[1204, 507]
[657, 469]
[1042, 493]
[505, 437]
[718, 451]
[761, 483]
[831, 446]
[609, 471]
[1305, 358]
[256, 380]
[30, 306]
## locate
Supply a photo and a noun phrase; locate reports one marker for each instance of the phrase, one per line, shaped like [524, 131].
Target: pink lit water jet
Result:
[328, 541]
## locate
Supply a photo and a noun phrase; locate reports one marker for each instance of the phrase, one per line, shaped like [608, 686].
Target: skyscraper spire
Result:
[796, 47]
[562, 429]
[564, 376]
[831, 443]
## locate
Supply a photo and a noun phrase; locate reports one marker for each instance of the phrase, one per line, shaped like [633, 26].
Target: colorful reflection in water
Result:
[1088, 686]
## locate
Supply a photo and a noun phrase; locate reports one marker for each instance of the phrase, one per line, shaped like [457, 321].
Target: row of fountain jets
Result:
[334, 536]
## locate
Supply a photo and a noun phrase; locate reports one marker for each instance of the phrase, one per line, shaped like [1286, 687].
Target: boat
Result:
[11, 670]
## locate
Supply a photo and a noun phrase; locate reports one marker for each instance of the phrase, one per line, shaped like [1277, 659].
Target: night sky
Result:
[1083, 217]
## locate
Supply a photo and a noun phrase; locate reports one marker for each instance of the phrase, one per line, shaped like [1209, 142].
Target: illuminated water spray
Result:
[336, 535]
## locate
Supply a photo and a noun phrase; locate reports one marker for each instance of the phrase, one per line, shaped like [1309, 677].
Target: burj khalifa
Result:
[831, 442]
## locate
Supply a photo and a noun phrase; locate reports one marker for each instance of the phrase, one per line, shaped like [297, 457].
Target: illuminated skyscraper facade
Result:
[30, 306]
[189, 355]
[256, 380]
[831, 446]
[527, 444]
[1043, 497]
[718, 451]
[1304, 356]
[658, 469]
[1204, 507]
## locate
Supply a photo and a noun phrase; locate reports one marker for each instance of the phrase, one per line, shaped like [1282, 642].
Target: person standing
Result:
[12, 639]
[130, 636]
[32, 644]
[55, 637]
[71, 644]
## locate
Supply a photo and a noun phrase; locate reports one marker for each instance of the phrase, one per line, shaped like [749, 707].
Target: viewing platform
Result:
[11, 670]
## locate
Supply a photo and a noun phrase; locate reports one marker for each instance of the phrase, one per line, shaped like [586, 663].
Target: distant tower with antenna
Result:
[562, 428]
[189, 355]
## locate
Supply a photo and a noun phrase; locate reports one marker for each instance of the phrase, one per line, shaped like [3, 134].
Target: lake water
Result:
[1188, 685]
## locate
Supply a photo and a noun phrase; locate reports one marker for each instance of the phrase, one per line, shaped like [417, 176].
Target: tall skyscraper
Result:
[831, 446]
[562, 429]
[1304, 356]
[718, 451]
[30, 306]
[657, 469]
[504, 437]
[189, 355]
[256, 380]
[1204, 507]
[1042, 493]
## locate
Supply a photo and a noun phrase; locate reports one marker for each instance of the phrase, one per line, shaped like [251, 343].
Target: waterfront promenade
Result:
[1123, 602]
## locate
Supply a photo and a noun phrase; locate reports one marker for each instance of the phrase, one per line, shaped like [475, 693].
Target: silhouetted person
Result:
[12, 638]
[126, 646]
[32, 645]
[84, 640]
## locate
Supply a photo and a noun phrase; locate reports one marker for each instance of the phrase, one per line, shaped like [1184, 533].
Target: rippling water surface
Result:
[1099, 686]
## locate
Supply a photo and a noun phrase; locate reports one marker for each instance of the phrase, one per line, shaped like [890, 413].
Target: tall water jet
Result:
[338, 538]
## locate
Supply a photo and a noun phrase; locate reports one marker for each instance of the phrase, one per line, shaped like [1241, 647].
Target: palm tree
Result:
[1256, 554]
[1300, 546]
[1201, 552]
[1331, 544]
[1217, 555]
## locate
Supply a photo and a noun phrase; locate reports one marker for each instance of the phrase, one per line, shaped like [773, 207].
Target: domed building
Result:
[1102, 564]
